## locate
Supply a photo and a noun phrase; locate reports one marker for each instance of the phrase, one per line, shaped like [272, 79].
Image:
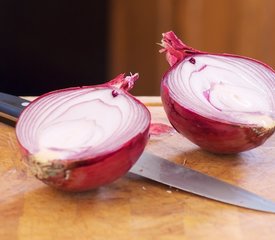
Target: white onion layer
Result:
[80, 123]
[225, 88]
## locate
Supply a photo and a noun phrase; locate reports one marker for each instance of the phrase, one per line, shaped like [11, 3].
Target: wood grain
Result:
[243, 27]
[133, 207]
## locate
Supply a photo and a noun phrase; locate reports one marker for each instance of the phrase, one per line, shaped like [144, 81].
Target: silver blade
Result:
[180, 177]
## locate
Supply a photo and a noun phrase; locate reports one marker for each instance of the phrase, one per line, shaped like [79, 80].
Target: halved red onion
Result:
[80, 138]
[223, 103]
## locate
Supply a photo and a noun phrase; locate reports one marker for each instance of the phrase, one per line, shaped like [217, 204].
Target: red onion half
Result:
[80, 138]
[223, 103]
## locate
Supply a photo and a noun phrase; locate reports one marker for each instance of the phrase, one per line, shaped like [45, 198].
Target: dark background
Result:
[47, 45]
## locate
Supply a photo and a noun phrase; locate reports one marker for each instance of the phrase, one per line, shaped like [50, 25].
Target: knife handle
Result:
[12, 105]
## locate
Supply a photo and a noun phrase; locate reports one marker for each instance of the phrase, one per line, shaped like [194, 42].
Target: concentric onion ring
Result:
[81, 128]
[224, 89]
[221, 102]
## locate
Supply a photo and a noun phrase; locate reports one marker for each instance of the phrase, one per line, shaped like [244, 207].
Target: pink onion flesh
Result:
[221, 102]
[80, 138]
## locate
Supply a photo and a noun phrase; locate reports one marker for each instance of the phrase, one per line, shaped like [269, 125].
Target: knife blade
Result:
[184, 178]
[174, 175]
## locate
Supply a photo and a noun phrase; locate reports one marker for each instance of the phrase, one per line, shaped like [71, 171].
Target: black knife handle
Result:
[12, 105]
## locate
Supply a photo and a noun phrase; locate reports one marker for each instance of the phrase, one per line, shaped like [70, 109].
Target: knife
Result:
[174, 175]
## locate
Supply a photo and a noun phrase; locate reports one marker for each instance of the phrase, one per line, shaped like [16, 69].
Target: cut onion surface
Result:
[224, 103]
[76, 139]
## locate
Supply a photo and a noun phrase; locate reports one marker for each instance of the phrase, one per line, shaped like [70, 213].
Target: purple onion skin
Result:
[90, 173]
[211, 135]
[214, 136]
[95, 173]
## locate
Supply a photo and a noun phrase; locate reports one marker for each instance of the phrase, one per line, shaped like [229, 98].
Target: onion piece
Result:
[223, 103]
[80, 138]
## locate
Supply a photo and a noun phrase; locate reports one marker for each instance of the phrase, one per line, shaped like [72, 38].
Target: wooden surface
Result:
[243, 27]
[133, 207]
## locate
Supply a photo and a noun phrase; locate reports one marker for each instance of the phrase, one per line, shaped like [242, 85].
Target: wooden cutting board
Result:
[133, 207]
